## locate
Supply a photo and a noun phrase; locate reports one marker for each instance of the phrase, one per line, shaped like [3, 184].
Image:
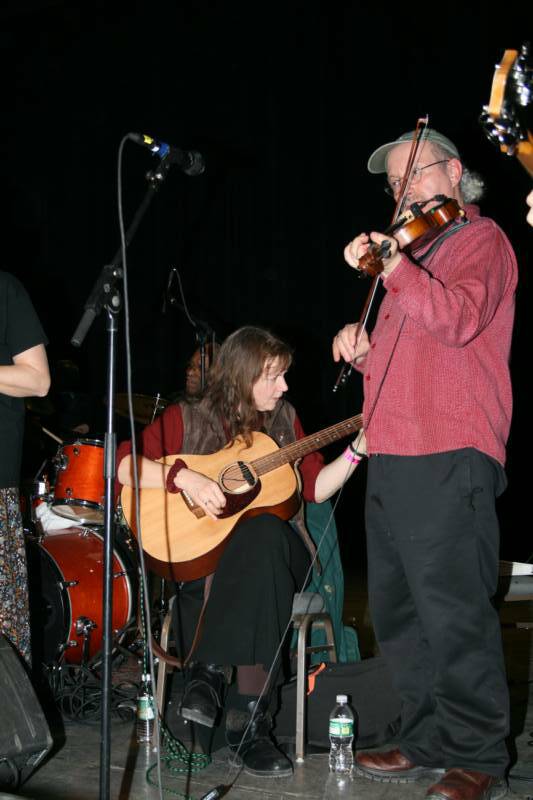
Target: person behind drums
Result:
[193, 373]
[265, 561]
[23, 373]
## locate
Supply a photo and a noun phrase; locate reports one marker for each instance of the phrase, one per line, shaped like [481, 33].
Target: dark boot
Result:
[203, 695]
[258, 750]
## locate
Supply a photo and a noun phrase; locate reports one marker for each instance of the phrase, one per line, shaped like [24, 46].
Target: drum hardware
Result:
[145, 407]
[60, 461]
[84, 625]
[67, 584]
[84, 628]
[40, 493]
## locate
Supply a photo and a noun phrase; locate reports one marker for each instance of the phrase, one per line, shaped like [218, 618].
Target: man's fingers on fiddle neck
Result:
[355, 249]
[349, 256]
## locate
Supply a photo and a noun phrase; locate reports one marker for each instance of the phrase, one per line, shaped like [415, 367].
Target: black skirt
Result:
[250, 599]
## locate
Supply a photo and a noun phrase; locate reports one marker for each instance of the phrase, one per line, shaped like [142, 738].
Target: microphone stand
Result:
[202, 334]
[202, 331]
[106, 294]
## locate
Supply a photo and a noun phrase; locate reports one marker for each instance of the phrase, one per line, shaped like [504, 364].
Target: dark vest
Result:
[204, 434]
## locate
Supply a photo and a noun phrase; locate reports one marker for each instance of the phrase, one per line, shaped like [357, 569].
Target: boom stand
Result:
[106, 294]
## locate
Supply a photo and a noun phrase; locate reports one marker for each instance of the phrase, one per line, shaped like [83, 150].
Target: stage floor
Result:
[72, 771]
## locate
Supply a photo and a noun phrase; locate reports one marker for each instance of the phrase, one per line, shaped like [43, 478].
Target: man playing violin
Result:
[437, 413]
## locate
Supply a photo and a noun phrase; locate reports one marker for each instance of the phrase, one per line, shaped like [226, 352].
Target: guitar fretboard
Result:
[296, 450]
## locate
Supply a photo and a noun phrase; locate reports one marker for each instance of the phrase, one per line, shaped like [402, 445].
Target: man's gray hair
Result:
[472, 185]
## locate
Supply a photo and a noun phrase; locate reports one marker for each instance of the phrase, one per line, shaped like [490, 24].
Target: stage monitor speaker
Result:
[24, 734]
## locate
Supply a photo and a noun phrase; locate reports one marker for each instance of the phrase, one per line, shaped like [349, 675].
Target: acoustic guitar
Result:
[180, 541]
[504, 119]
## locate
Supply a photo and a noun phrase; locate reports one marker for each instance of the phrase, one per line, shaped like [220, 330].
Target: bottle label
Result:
[341, 726]
[144, 709]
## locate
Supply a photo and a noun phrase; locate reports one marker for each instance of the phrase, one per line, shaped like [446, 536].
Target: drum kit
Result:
[66, 561]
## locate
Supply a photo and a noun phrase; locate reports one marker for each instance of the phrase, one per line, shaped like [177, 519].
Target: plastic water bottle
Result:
[145, 714]
[341, 733]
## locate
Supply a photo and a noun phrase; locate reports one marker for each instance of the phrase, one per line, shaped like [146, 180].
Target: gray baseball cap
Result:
[378, 160]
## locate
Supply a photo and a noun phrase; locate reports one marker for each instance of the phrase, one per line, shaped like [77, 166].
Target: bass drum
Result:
[66, 573]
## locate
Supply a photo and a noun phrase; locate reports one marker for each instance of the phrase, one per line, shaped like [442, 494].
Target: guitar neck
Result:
[524, 154]
[504, 118]
[292, 452]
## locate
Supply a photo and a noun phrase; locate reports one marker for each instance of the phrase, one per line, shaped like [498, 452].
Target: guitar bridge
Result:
[191, 505]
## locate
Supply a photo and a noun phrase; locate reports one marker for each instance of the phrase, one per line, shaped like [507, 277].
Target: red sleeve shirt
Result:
[162, 437]
[436, 377]
[165, 436]
[310, 466]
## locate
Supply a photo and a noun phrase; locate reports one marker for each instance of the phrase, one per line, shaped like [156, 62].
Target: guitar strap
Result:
[207, 589]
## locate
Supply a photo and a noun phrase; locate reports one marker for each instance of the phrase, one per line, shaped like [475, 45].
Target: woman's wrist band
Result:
[350, 456]
[173, 471]
[355, 450]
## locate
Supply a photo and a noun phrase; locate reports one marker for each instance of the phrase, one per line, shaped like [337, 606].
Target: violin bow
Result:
[419, 136]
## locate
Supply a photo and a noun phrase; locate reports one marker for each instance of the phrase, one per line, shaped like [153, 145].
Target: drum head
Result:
[79, 511]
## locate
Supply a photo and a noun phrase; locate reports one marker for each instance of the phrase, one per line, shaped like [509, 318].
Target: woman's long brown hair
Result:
[238, 365]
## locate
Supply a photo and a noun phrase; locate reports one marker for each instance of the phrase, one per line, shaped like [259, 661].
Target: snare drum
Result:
[66, 573]
[79, 485]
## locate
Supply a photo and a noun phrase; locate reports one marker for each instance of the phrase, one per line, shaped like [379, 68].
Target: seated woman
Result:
[266, 560]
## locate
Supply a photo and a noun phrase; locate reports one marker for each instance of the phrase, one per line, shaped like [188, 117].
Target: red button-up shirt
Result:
[436, 377]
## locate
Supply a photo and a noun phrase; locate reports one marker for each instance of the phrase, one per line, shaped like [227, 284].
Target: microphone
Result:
[190, 161]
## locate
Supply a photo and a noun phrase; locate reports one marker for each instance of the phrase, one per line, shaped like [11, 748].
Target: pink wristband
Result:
[350, 456]
[173, 471]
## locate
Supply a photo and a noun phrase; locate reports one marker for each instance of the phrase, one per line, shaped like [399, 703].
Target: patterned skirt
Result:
[14, 605]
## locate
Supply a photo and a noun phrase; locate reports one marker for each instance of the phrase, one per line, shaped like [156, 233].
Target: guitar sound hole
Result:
[238, 478]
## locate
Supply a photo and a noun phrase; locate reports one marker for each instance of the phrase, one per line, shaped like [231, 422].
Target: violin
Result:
[413, 229]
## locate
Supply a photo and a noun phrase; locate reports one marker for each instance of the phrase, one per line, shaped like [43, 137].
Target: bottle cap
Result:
[342, 698]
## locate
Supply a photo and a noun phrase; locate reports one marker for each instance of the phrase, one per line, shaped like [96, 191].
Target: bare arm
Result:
[28, 376]
[202, 490]
[333, 475]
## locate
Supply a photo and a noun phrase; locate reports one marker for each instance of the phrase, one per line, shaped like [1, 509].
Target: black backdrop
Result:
[285, 103]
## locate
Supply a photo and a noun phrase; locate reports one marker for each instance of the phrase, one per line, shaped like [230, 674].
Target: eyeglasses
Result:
[393, 186]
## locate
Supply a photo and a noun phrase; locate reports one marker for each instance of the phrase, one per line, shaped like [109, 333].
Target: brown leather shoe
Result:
[466, 784]
[392, 767]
